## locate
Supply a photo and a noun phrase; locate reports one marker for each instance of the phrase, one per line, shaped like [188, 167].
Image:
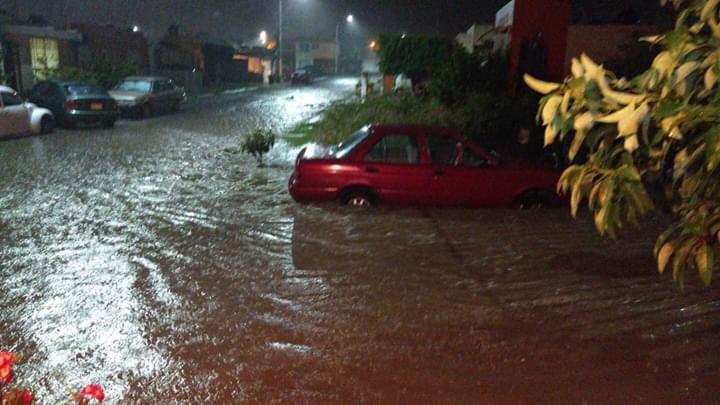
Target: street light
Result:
[263, 37]
[135, 28]
[349, 19]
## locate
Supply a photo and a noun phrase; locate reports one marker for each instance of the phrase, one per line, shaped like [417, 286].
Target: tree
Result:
[652, 142]
[463, 74]
[416, 56]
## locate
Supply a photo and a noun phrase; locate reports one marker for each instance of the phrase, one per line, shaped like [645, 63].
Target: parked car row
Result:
[69, 103]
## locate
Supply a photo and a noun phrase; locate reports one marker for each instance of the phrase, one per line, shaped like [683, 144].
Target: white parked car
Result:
[18, 117]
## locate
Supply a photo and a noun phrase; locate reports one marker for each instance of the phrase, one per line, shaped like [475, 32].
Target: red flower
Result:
[93, 391]
[25, 397]
[6, 361]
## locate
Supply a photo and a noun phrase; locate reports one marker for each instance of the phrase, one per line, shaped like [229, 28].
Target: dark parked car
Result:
[417, 165]
[74, 102]
[148, 95]
[301, 76]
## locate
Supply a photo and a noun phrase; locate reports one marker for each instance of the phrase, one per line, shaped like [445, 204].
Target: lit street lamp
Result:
[349, 19]
[263, 37]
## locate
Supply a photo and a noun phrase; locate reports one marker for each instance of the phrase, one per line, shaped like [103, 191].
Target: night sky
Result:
[238, 20]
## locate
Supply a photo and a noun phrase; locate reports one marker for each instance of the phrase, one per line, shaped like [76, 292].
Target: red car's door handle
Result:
[371, 169]
[438, 173]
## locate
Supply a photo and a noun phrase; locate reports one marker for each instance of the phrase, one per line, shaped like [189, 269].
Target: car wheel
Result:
[175, 107]
[146, 111]
[357, 198]
[108, 123]
[47, 124]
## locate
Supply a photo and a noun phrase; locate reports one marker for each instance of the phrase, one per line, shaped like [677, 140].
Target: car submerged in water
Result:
[417, 165]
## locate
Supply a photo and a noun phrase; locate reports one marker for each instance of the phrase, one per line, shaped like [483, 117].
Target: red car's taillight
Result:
[71, 105]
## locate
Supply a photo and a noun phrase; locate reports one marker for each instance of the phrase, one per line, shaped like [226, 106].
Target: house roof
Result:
[42, 32]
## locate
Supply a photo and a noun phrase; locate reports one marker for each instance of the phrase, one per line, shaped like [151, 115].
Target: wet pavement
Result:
[155, 259]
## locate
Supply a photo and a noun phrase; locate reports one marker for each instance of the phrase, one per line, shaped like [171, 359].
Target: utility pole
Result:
[280, 40]
[337, 46]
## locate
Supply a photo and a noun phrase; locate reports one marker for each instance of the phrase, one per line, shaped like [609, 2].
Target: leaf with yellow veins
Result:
[664, 256]
[622, 97]
[550, 109]
[550, 134]
[708, 11]
[663, 63]
[685, 70]
[631, 143]
[653, 39]
[565, 104]
[583, 122]
[592, 69]
[696, 28]
[710, 78]
[617, 115]
[540, 86]
[704, 259]
[630, 124]
[576, 68]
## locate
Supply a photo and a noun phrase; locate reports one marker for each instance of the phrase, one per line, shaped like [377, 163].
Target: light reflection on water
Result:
[170, 268]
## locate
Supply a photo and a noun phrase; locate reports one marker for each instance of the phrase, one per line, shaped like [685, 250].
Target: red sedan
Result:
[417, 165]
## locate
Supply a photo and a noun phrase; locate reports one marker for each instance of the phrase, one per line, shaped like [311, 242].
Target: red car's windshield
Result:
[346, 146]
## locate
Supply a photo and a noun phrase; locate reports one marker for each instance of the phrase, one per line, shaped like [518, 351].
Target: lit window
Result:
[45, 56]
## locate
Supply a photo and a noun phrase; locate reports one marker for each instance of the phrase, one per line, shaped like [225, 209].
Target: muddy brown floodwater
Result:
[158, 261]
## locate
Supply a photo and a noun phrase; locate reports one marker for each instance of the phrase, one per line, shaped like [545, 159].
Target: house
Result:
[255, 62]
[112, 43]
[316, 54]
[542, 39]
[30, 50]
[475, 37]
[179, 57]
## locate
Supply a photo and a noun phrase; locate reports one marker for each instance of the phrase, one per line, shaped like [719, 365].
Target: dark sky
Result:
[238, 20]
[243, 19]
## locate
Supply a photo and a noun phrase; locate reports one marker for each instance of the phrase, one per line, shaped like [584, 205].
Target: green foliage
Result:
[464, 74]
[651, 141]
[486, 118]
[415, 56]
[104, 71]
[258, 143]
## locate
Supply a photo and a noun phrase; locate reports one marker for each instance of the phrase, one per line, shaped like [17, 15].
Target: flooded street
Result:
[157, 260]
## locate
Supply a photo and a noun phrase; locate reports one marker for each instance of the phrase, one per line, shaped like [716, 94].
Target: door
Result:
[394, 169]
[14, 116]
[460, 176]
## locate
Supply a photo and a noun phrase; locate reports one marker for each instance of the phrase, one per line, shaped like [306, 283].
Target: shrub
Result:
[258, 143]
[656, 132]
[488, 119]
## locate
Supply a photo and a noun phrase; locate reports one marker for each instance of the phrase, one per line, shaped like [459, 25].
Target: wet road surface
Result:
[158, 261]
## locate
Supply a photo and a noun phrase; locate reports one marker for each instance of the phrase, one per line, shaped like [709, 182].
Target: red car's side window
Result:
[448, 151]
[394, 148]
[443, 150]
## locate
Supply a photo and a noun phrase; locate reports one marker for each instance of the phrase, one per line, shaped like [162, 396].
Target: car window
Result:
[347, 146]
[83, 89]
[134, 85]
[10, 99]
[443, 149]
[43, 89]
[394, 148]
[448, 151]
